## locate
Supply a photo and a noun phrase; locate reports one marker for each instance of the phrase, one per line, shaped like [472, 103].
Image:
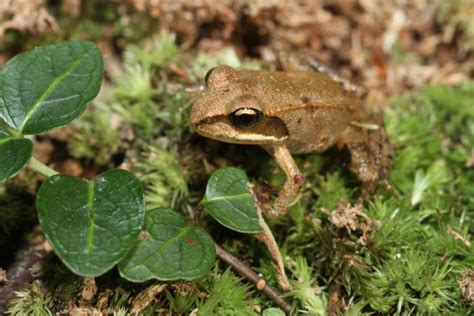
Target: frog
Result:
[299, 109]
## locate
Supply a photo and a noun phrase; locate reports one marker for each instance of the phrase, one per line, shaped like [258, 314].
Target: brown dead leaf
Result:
[467, 286]
[89, 289]
[3, 276]
[183, 288]
[103, 301]
[30, 16]
[85, 311]
[352, 218]
[145, 297]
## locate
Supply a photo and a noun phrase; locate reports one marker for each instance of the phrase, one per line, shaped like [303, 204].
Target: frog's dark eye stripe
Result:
[245, 118]
[208, 74]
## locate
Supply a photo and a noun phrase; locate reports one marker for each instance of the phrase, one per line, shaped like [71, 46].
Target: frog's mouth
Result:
[270, 130]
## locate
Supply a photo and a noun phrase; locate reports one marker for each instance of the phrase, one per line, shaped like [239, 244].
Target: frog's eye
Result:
[245, 118]
[208, 74]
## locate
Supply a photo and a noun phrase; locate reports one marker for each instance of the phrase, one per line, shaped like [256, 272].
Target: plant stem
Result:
[41, 168]
[266, 236]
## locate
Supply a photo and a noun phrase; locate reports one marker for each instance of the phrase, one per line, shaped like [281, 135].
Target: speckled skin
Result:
[302, 111]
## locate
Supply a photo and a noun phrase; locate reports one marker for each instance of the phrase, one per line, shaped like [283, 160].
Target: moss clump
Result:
[163, 179]
[33, 301]
[227, 296]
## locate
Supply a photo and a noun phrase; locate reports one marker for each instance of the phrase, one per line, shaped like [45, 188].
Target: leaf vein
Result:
[90, 215]
[50, 89]
[166, 245]
[228, 197]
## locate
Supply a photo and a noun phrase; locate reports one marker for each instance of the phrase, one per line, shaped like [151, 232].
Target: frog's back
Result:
[314, 108]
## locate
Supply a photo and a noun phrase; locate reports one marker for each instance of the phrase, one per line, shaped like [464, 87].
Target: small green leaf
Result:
[14, 155]
[49, 86]
[169, 250]
[272, 311]
[437, 174]
[229, 201]
[91, 225]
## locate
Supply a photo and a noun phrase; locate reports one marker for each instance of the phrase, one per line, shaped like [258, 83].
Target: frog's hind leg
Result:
[365, 149]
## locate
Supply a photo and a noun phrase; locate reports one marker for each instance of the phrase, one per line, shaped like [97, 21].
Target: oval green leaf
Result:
[92, 225]
[14, 155]
[229, 201]
[49, 86]
[272, 311]
[169, 250]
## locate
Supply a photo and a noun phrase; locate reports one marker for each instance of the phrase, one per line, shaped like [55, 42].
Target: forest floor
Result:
[407, 250]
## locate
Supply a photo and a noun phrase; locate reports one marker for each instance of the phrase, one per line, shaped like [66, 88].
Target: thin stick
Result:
[41, 168]
[253, 277]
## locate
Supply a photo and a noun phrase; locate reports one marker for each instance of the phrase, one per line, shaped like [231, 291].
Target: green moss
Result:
[182, 304]
[312, 300]
[158, 52]
[412, 280]
[227, 296]
[163, 179]
[30, 302]
[330, 190]
[96, 135]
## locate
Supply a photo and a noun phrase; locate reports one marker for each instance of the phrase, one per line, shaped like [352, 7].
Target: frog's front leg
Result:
[294, 180]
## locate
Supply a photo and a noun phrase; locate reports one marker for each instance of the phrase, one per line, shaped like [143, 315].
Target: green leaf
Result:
[169, 250]
[229, 201]
[437, 174]
[49, 86]
[91, 225]
[14, 155]
[272, 311]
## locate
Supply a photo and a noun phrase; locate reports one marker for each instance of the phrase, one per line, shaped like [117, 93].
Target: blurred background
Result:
[387, 45]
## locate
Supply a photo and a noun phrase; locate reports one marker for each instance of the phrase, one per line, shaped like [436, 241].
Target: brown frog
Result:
[291, 112]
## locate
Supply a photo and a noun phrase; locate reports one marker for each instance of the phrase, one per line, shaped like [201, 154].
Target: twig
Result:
[253, 277]
[458, 236]
[336, 302]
